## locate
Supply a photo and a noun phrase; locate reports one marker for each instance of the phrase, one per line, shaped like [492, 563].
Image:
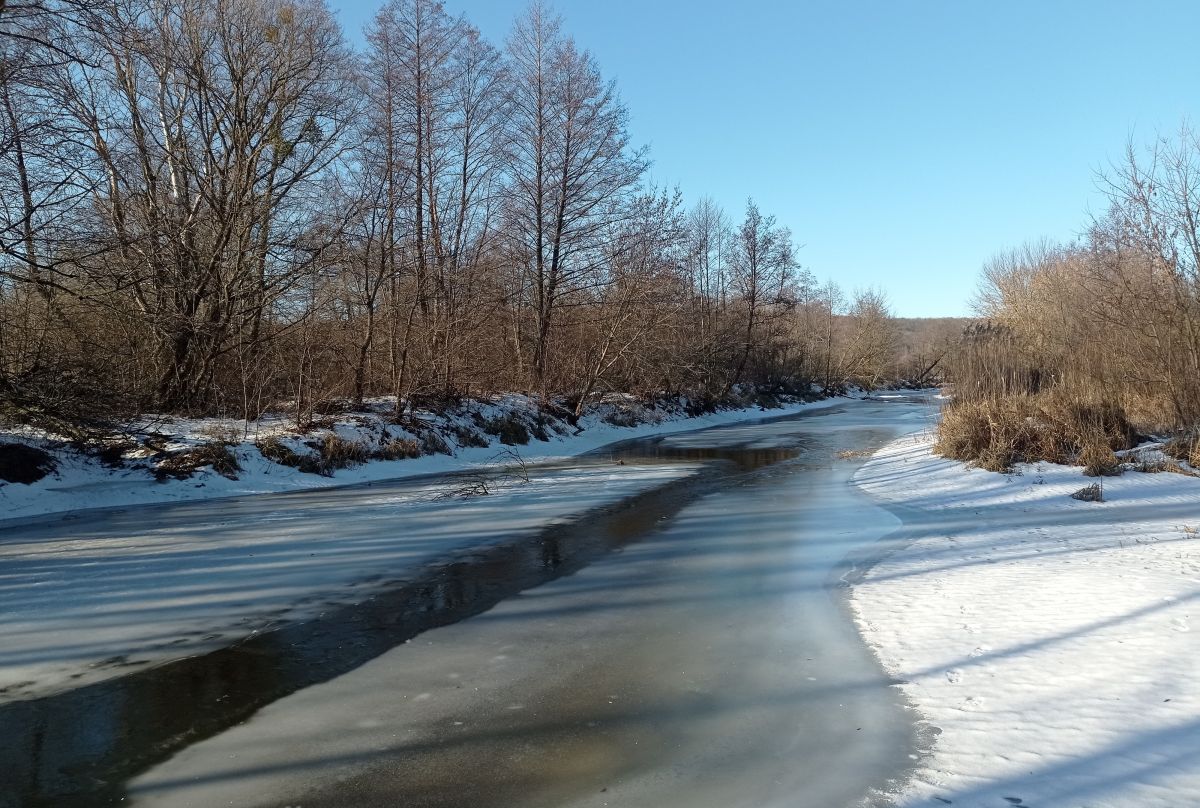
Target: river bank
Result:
[160, 460]
[1047, 643]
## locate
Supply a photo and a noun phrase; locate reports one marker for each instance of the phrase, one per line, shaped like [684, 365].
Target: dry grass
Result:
[276, 451]
[1160, 465]
[221, 433]
[854, 454]
[470, 438]
[1184, 447]
[215, 454]
[399, 449]
[329, 454]
[432, 443]
[338, 453]
[995, 433]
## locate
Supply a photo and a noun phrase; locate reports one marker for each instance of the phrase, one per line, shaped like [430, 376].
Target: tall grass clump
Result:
[1007, 409]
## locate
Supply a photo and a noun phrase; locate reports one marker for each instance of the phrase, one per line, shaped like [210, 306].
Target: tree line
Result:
[214, 206]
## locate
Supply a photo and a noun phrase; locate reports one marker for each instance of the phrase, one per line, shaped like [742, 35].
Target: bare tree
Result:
[868, 352]
[762, 268]
[213, 204]
[638, 293]
[568, 161]
[212, 125]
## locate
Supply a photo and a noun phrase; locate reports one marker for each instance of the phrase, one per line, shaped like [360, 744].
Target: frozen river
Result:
[684, 644]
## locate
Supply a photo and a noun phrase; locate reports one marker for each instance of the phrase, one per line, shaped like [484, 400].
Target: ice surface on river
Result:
[1051, 641]
[710, 665]
[87, 599]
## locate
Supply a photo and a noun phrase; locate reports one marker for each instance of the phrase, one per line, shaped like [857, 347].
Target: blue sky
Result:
[903, 142]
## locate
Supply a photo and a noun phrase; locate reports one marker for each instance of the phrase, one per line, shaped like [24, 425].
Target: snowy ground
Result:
[1049, 641]
[83, 482]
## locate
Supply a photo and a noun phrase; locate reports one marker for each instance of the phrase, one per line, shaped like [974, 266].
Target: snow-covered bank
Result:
[82, 481]
[1048, 640]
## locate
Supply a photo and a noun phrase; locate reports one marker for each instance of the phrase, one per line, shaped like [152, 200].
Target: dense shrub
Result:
[20, 463]
[470, 438]
[510, 429]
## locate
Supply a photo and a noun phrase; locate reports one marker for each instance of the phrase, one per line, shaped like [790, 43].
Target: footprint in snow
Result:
[980, 651]
[954, 676]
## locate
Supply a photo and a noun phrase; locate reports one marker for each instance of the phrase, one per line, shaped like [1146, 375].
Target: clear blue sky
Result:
[903, 142]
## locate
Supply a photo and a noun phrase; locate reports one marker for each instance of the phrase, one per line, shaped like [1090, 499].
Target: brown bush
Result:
[995, 433]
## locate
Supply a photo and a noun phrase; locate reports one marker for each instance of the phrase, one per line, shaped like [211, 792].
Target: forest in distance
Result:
[219, 208]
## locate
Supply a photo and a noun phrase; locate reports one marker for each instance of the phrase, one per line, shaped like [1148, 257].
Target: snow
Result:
[86, 599]
[82, 482]
[1046, 643]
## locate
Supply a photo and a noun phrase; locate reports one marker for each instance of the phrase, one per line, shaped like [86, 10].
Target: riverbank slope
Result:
[1049, 641]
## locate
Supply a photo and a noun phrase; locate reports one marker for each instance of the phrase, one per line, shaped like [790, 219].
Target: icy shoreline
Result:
[83, 483]
[1045, 642]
